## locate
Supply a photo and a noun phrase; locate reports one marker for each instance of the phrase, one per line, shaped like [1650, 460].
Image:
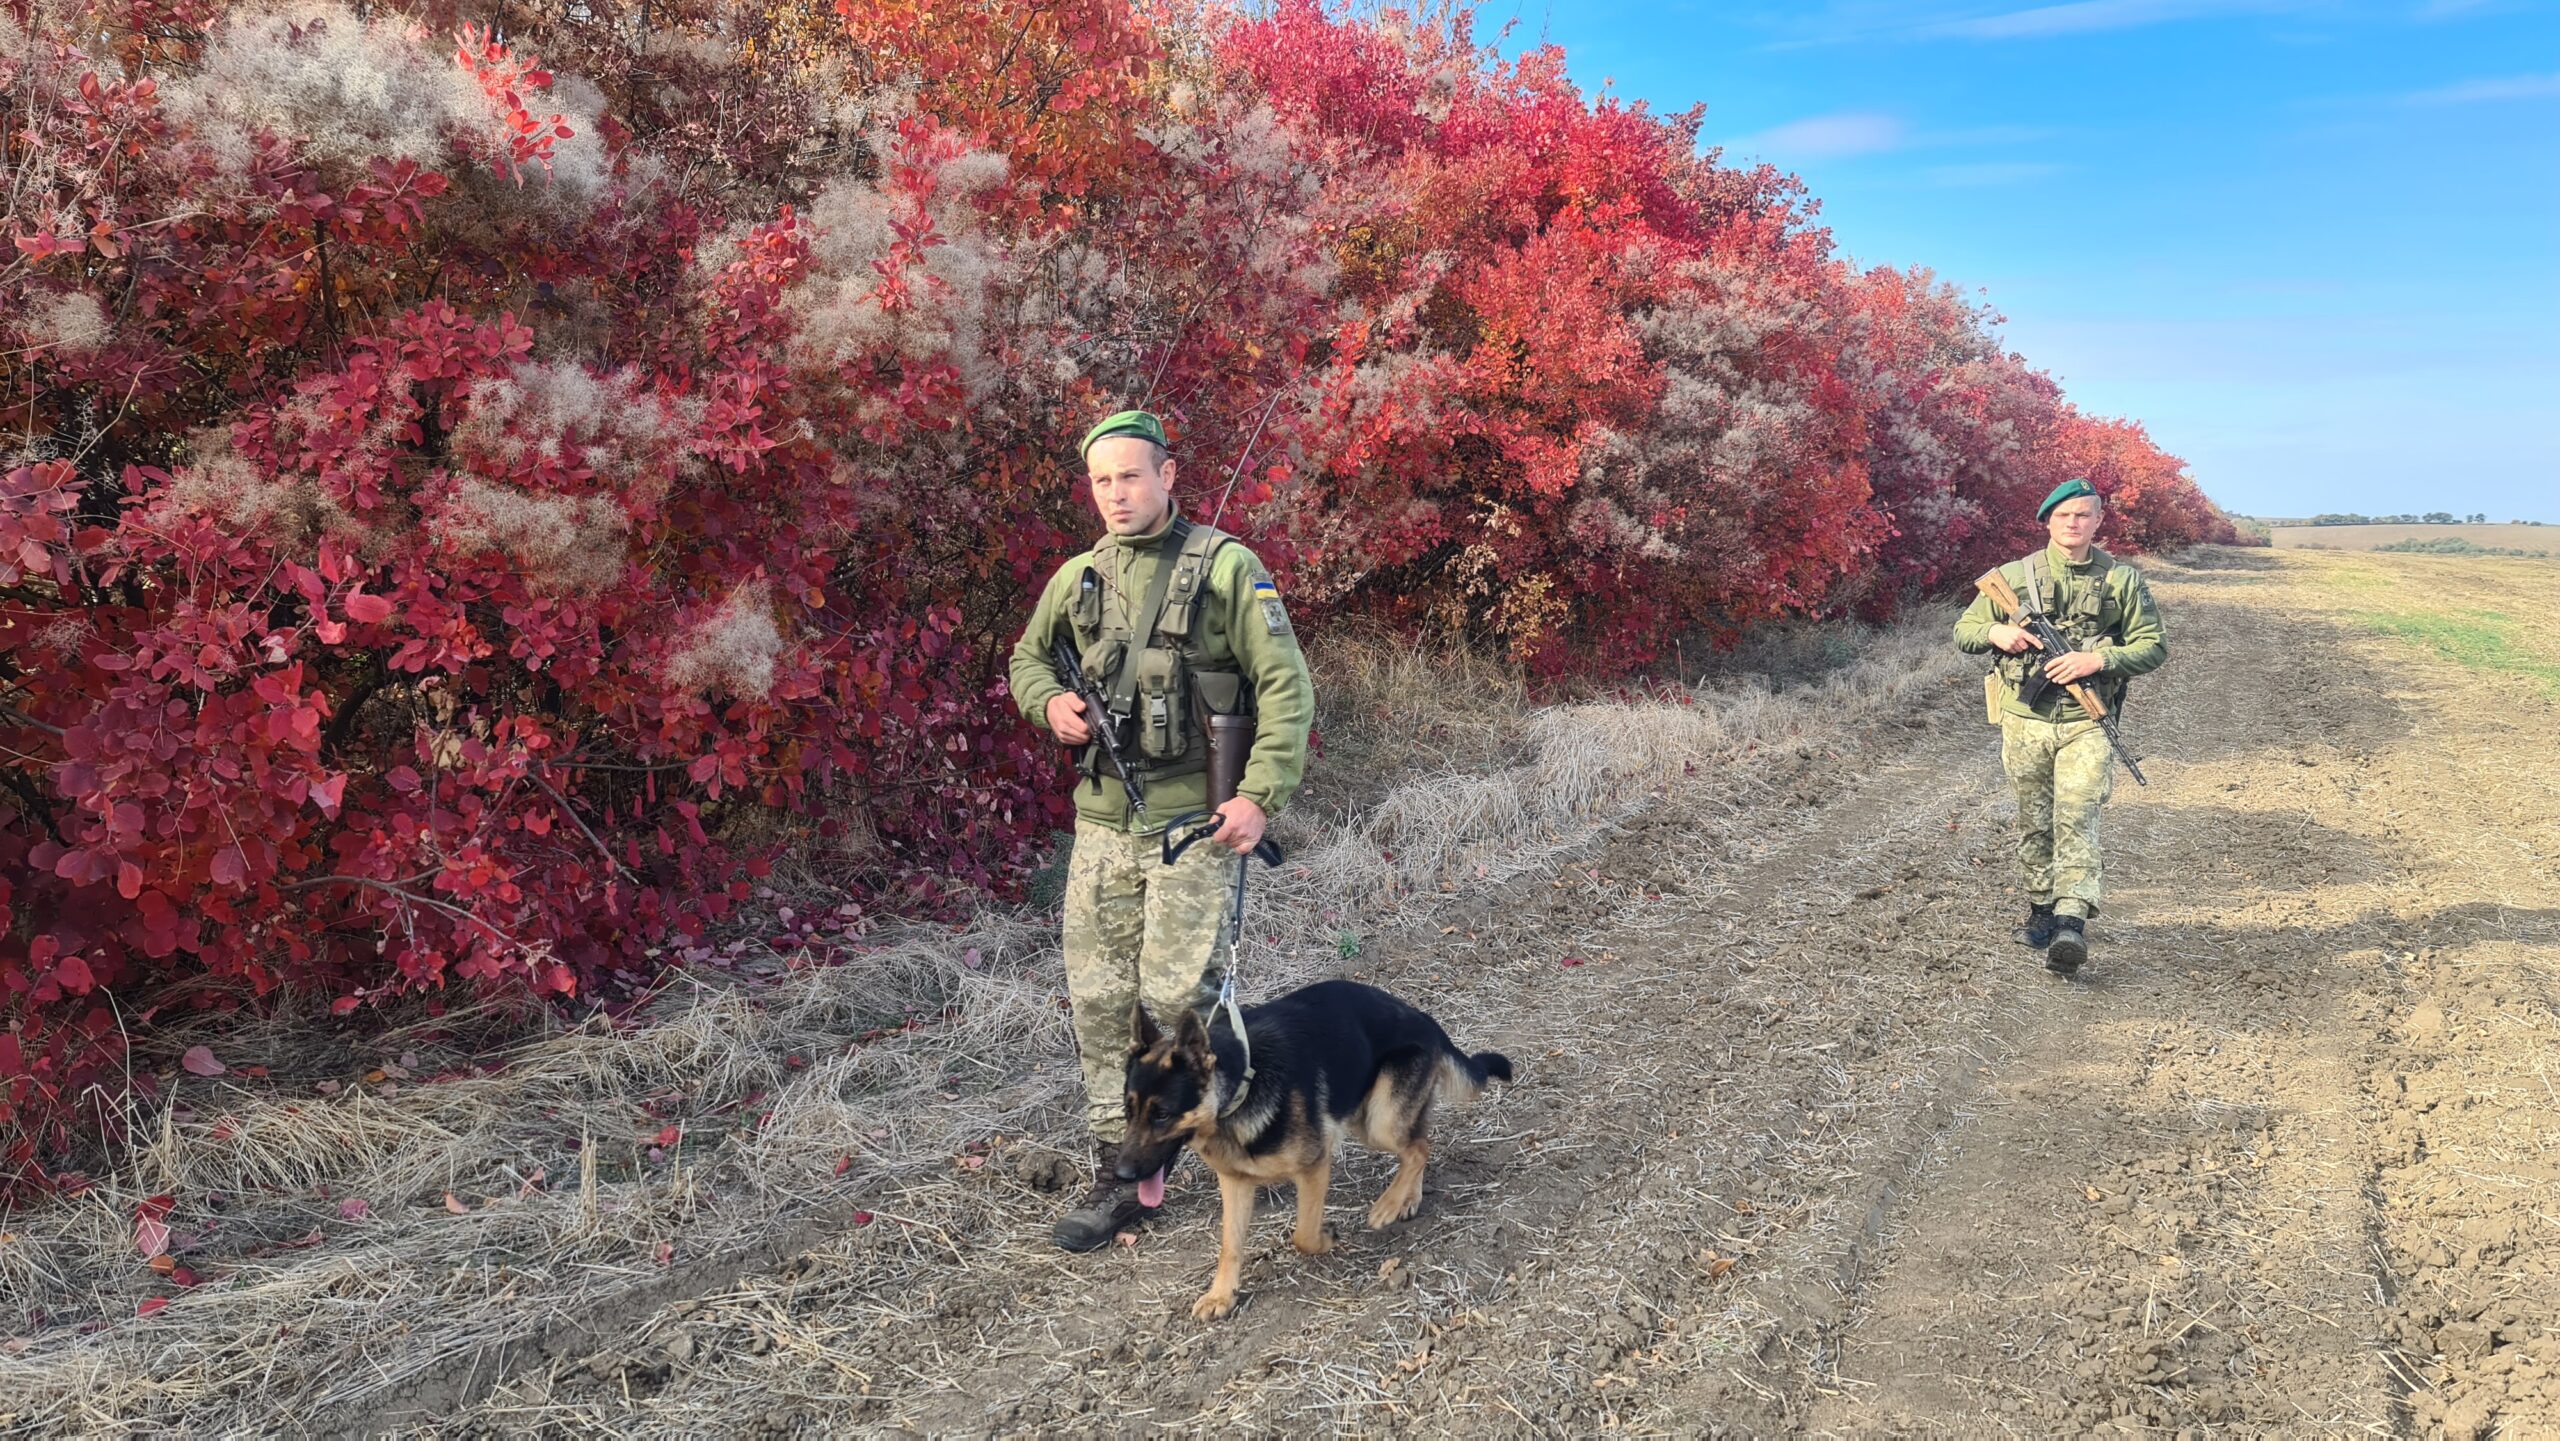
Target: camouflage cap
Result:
[1128, 422]
[2071, 489]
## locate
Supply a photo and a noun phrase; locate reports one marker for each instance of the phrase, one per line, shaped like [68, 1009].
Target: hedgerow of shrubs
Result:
[470, 496]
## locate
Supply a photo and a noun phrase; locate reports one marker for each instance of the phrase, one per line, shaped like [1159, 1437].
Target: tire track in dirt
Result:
[2168, 1215]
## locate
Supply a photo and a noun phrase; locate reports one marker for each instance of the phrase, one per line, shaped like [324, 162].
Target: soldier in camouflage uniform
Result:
[1219, 640]
[2054, 753]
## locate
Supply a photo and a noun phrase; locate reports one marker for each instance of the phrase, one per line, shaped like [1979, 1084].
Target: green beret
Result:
[2071, 489]
[1128, 422]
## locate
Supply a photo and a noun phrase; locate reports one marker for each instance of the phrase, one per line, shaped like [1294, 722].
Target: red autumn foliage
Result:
[463, 522]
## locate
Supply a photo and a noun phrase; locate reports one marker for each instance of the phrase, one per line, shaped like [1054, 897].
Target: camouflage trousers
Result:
[2064, 773]
[1138, 932]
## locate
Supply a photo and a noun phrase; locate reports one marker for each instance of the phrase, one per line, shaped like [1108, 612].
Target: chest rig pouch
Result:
[2089, 620]
[1160, 684]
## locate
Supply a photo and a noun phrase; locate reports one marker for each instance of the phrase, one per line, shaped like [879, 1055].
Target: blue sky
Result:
[2315, 247]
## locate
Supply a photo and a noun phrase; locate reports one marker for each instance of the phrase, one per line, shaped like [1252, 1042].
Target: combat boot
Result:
[1109, 1207]
[2070, 945]
[2038, 931]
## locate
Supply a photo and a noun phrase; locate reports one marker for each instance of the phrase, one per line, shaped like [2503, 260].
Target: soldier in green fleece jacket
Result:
[1137, 930]
[2054, 753]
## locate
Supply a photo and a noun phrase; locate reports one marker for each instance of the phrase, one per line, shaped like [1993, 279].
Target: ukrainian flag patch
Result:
[1275, 616]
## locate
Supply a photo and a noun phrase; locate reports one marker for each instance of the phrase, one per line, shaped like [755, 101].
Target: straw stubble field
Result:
[1800, 1141]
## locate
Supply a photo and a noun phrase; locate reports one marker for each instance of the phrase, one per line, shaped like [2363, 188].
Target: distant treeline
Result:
[2433, 517]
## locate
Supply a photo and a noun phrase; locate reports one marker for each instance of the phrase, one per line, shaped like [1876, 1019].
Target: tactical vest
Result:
[2091, 620]
[1151, 667]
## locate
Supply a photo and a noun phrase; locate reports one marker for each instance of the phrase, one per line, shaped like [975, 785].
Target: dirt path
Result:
[1801, 1143]
[2251, 1175]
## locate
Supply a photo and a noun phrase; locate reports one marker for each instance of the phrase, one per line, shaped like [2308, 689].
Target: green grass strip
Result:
[2481, 640]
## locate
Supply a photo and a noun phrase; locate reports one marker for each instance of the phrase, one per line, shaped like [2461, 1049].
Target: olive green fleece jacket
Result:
[2127, 613]
[1241, 626]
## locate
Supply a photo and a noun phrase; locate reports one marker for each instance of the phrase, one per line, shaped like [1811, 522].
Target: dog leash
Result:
[1203, 825]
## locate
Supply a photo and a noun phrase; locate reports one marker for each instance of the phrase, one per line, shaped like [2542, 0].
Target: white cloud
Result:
[2474, 92]
[1824, 137]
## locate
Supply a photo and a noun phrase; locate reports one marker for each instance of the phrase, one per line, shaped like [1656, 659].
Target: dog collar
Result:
[1235, 1022]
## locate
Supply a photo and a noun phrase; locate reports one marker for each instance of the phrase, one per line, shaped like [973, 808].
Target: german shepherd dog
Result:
[1327, 1059]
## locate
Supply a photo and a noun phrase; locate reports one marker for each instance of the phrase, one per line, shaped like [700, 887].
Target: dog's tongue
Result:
[1151, 1190]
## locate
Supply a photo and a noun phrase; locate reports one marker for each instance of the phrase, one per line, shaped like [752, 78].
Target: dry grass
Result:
[505, 1205]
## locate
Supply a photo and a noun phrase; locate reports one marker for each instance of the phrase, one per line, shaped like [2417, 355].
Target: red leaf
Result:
[355, 1208]
[843, 1164]
[668, 1136]
[230, 867]
[199, 1061]
[150, 1236]
[152, 1306]
[370, 609]
[185, 1277]
[72, 973]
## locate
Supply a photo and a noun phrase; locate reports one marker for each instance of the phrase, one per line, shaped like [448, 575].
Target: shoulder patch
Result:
[1275, 616]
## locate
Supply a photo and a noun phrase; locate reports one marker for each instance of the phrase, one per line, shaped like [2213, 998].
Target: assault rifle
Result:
[2026, 615]
[1105, 727]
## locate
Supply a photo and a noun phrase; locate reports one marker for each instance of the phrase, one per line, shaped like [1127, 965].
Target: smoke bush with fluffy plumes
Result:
[311, 68]
[579, 165]
[560, 543]
[70, 321]
[1612, 500]
[1256, 153]
[733, 650]
[220, 482]
[352, 89]
[561, 417]
[843, 320]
